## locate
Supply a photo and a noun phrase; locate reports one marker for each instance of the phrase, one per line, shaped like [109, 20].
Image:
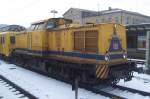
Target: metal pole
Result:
[148, 50]
[76, 88]
[54, 12]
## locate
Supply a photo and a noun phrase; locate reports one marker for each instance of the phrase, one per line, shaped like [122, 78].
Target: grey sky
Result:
[24, 12]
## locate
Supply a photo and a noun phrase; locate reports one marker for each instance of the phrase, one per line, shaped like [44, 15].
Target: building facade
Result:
[82, 16]
[136, 40]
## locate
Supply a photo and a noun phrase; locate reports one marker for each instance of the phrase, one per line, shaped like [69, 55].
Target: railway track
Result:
[96, 89]
[101, 92]
[132, 90]
[109, 89]
[14, 89]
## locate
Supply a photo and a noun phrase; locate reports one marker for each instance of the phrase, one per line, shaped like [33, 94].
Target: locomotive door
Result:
[58, 40]
[29, 41]
[3, 44]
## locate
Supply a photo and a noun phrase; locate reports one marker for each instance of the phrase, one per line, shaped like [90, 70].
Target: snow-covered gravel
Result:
[140, 82]
[47, 88]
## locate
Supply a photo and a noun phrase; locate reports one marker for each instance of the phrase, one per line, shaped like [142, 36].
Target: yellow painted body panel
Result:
[63, 39]
[21, 40]
[33, 40]
[60, 40]
[6, 47]
[106, 31]
[38, 40]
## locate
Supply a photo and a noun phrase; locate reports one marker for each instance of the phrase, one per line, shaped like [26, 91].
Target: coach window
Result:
[141, 42]
[12, 40]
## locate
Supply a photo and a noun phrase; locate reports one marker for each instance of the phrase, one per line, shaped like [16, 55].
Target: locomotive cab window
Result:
[50, 25]
[41, 26]
[12, 40]
[32, 27]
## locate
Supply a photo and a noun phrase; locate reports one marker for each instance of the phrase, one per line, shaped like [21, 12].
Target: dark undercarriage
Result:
[69, 71]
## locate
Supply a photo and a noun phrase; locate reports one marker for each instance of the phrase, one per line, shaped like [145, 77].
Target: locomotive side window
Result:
[0, 40]
[3, 40]
[12, 39]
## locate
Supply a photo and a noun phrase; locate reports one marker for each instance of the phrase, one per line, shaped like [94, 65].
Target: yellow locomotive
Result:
[94, 52]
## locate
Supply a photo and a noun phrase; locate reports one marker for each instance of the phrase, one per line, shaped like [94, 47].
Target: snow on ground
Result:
[5, 92]
[41, 86]
[139, 81]
[47, 88]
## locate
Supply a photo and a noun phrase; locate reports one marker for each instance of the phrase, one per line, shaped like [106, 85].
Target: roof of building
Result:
[78, 10]
[141, 26]
[110, 10]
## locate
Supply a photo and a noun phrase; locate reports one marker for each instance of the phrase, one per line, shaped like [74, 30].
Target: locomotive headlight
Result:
[124, 55]
[107, 57]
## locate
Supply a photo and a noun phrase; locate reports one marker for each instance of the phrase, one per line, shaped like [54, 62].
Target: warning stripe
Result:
[97, 69]
[101, 71]
[104, 72]
[106, 75]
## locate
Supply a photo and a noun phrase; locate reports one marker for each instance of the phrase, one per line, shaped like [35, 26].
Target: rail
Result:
[17, 88]
[132, 90]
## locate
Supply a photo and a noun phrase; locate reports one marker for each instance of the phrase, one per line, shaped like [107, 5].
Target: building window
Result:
[141, 42]
[127, 20]
[136, 21]
[103, 20]
[97, 21]
[116, 19]
[133, 21]
[131, 42]
[110, 19]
